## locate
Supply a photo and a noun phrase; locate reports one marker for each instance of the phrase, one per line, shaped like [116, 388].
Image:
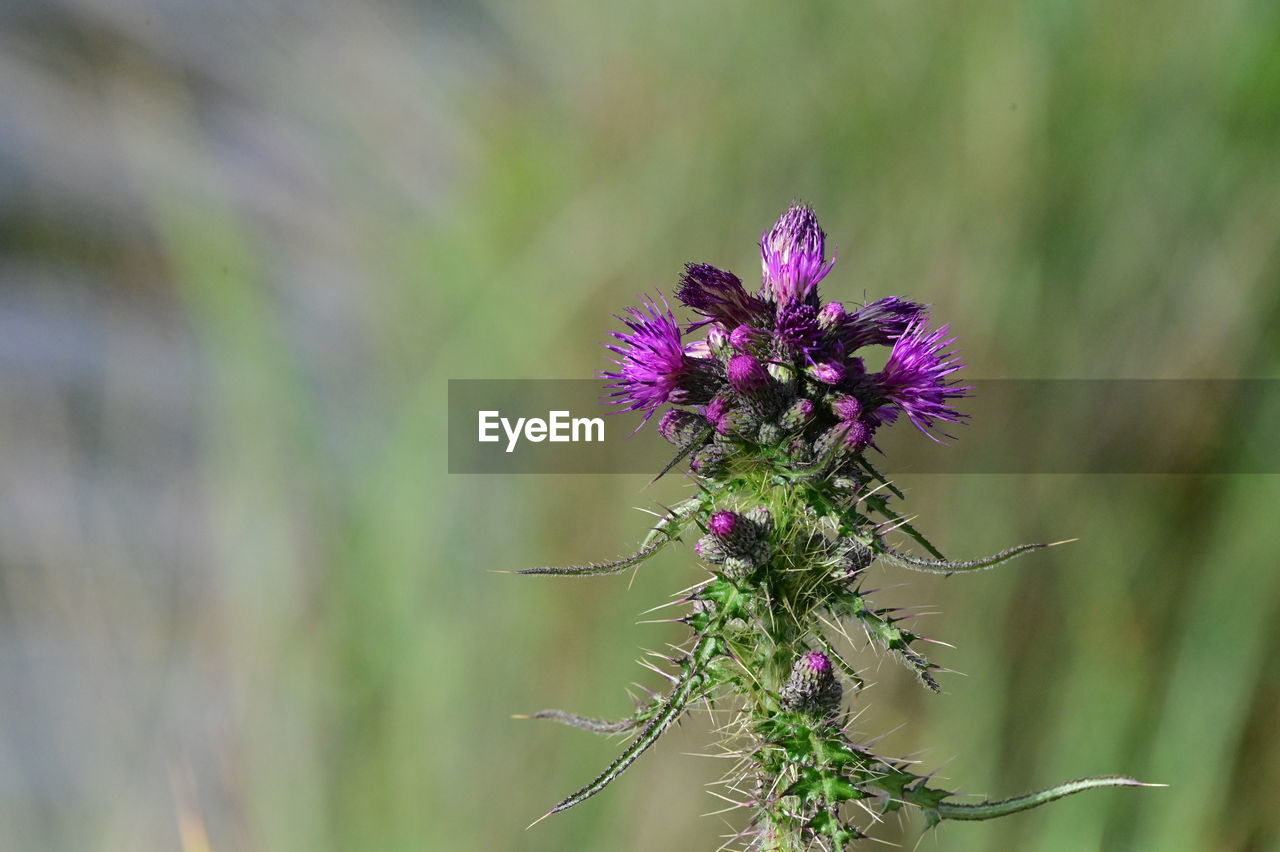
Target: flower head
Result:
[793, 254]
[914, 379]
[654, 367]
[718, 295]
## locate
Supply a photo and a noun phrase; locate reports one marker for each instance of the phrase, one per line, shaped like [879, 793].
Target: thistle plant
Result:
[776, 415]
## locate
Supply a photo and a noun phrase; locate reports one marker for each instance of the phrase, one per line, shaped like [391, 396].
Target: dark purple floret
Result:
[797, 327]
[914, 379]
[655, 367]
[723, 524]
[746, 374]
[719, 296]
[793, 254]
[879, 323]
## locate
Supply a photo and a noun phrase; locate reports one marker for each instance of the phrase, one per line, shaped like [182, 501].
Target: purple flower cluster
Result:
[778, 366]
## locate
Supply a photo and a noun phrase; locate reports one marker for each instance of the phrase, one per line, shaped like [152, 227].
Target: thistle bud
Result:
[749, 339]
[857, 435]
[722, 416]
[710, 460]
[733, 536]
[746, 374]
[812, 687]
[851, 484]
[798, 415]
[852, 557]
[681, 427]
[828, 372]
[829, 440]
[711, 549]
[717, 341]
[830, 315]
[846, 408]
[769, 434]
[800, 450]
[737, 567]
[763, 520]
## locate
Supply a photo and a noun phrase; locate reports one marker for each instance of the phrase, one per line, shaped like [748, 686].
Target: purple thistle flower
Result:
[655, 367]
[793, 254]
[746, 374]
[879, 323]
[719, 296]
[914, 379]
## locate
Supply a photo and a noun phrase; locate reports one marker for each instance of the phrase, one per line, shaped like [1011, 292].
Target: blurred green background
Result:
[245, 244]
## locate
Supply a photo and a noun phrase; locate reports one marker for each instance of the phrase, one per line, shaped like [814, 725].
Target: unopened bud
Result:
[812, 687]
[830, 315]
[748, 339]
[857, 435]
[852, 557]
[798, 415]
[746, 374]
[710, 460]
[717, 341]
[769, 434]
[742, 537]
[829, 372]
[846, 408]
[681, 427]
[711, 549]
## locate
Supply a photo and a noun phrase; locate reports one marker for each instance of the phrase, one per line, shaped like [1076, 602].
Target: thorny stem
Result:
[788, 516]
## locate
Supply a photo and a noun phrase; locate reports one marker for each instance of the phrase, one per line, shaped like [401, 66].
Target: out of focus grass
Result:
[245, 245]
